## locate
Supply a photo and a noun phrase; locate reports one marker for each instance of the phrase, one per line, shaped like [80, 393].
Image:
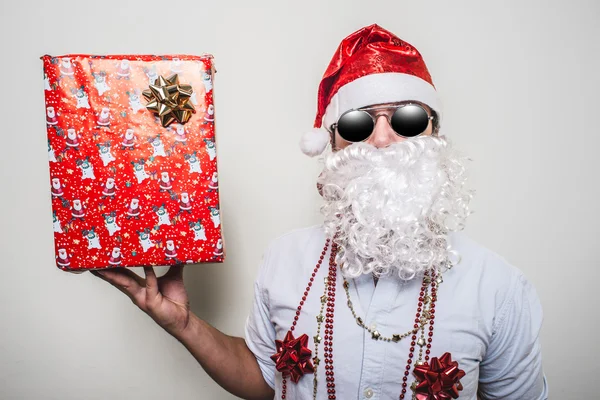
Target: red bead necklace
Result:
[293, 358]
[416, 326]
[328, 344]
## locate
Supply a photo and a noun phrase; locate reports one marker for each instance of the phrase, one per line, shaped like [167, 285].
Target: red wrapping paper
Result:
[125, 190]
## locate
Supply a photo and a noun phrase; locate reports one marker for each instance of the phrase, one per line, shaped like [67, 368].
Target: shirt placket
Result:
[378, 306]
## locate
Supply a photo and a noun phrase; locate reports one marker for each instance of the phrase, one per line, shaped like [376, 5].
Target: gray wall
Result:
[519, 81]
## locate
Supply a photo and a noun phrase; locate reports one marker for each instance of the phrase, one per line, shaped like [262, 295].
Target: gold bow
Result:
[170, 100]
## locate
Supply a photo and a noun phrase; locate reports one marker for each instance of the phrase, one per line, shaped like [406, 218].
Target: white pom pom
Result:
[314, 142]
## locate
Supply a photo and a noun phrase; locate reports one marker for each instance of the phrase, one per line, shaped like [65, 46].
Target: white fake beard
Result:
[392, 208]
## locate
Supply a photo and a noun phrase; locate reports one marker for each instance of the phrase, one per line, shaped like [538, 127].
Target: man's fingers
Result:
[123, 276]
[151, 284]
[123, 279]
[175, 272]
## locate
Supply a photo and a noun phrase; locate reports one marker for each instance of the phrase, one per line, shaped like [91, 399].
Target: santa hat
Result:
[371, 66]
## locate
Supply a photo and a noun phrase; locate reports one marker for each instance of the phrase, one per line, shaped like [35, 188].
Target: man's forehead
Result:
[397, 103]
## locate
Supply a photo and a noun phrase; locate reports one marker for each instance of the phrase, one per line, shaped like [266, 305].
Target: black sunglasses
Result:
[407, 120]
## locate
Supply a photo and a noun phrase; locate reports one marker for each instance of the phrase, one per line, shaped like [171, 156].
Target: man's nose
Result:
[383, 135]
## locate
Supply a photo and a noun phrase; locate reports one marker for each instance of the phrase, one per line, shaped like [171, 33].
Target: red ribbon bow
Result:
[293, 356]
[440, 380]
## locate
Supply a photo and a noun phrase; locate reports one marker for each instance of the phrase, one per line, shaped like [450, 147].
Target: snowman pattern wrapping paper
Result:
[125, 190]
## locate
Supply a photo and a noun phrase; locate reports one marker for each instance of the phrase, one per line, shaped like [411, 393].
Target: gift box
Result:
[132, 159]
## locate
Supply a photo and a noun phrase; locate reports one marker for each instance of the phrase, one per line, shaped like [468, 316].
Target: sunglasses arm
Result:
[331, 131]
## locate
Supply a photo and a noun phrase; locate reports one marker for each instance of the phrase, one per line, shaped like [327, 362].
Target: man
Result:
[386, 299]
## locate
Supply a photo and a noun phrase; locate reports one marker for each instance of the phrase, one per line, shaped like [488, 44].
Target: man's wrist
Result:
[190, 331]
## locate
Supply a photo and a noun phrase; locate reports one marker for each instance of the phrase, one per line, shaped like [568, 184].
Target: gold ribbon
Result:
[170, 100]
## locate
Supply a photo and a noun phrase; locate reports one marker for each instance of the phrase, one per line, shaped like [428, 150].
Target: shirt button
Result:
[368, 393]
[373, 326]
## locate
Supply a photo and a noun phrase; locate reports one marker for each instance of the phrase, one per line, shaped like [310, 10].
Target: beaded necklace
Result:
[293, 358]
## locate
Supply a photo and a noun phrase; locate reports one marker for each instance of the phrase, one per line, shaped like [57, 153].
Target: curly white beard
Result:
[392, 208]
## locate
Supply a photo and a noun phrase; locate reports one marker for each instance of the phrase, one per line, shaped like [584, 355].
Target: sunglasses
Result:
[407, 120]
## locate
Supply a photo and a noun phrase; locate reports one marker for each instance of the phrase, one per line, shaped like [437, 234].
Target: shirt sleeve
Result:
[259, 331]
[512, 367]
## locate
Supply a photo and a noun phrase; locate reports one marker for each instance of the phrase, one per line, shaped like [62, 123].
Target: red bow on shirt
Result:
[440, 380]
[293, 356]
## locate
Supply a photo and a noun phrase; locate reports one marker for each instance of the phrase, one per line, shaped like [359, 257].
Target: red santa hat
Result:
[371, 66]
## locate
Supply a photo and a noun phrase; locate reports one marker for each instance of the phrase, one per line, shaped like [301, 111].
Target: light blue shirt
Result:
[488, 316]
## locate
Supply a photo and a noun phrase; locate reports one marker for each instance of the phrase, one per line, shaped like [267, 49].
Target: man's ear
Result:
[332, 140]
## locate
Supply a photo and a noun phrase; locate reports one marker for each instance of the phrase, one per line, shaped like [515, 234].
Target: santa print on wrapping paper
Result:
[128, 140]
[180, 133]
[123, 70]
[213, 184]
[115, 256]
[110, 221]
[198, 229]
[100, 82]
[185, 203]
[165, 183]
[145, 241]
[104, 118]
[78, 210]
[51, 116]
[92, 238]
[87, 170]
[176, 65]
[63, 259]
[57, 188]
[105, 153]
[72, 139]
[109, 189]
[162, 214]
[66, 68]
[171, 251]
[81, 97]
[139, 170]
[193, 162]
[209, 116]
[133, 209]
[218, 248]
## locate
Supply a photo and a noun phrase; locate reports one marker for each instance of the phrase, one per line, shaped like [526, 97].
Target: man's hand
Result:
[164, 299]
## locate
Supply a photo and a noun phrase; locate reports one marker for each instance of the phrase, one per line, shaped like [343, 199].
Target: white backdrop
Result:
[520, 85]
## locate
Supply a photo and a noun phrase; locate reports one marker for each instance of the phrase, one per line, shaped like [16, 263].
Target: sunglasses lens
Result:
[410, 120]
[355, 126]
